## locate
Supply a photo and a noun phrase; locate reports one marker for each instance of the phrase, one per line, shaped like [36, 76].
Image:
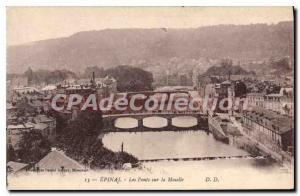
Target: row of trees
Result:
[128, 78]
[226, 67]
[48, 77]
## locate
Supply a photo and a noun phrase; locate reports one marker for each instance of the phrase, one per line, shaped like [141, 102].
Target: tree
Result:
[80, 141]
[226, 62]
[33, 146]
[225, 69]
[240, 89]
[281, 65]
[131, 78]
[75, 137]
[30, 75]
[99, 71]
[48, 77]
[61, 121]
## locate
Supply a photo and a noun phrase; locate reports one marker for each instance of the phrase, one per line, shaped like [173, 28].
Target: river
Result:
[228, 173]
[169, 144]
[191, 144]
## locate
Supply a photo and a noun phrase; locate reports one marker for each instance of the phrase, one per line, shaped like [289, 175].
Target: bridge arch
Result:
[155, 122]
[126, 123]
[184, 121]
[134, 122]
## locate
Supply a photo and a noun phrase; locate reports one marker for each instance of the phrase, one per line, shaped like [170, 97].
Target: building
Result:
[222, 89]
[26, 89]
[255, 99]
[49, 89]
[44, 129]
[183, 80]
[15, 167]
[283, 102]
[270, 128]
[41, 123]
[15, 132]
[39, 106]
[101, 86]
[58, 161]
[273, 102]
[49, 121]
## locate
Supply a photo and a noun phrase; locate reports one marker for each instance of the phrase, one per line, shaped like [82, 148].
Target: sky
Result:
[28, 24]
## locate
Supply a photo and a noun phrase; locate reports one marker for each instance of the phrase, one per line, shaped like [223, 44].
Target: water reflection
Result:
[168, 144]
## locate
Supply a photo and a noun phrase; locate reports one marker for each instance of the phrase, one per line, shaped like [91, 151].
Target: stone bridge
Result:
[109, 122]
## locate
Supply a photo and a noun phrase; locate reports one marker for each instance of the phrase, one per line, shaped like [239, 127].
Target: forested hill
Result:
[128, 46]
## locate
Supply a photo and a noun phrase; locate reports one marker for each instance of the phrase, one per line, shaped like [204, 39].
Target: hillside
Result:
[113, 47]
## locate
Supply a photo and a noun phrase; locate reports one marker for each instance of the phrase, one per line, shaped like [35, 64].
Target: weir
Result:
[203, 158]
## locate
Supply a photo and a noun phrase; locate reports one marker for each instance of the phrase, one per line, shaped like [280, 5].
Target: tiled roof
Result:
[56, 160]
[15, 166]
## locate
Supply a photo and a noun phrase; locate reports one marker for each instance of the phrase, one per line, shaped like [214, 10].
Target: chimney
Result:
[93, 79]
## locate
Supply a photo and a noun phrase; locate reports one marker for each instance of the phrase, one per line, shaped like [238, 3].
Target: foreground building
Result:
[58, 161]
[16, 167]
[269, 128]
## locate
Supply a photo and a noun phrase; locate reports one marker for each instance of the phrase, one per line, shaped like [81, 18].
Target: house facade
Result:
[270, 128]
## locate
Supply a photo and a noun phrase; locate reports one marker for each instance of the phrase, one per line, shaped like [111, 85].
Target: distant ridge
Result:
[113, 47]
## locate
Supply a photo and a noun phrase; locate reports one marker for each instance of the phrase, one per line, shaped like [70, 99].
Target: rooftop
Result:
[279, 123]
[40, 126]
[56, 160]
[21, 126]
[49, 88]
[43, 118]
[16, 166]
[255, 94]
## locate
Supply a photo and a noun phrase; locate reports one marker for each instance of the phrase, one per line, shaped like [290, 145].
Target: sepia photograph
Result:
[150, 98]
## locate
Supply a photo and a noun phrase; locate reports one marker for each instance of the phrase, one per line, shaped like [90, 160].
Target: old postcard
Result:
[150, 98]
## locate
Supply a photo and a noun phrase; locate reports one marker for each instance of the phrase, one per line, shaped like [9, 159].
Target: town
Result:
[265, 127]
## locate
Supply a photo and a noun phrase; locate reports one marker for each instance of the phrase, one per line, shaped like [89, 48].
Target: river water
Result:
[238, 173]
[189, 144]
[167, 144]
